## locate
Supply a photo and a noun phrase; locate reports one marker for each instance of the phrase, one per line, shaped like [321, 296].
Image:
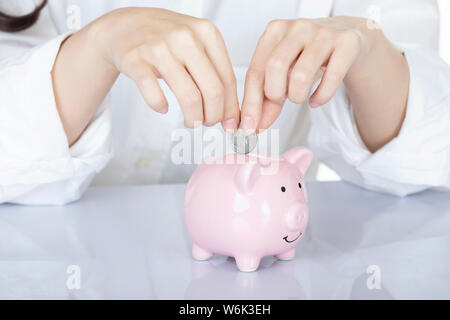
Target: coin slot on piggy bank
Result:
[248, 210]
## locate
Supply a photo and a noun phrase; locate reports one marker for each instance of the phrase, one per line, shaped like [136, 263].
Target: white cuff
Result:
[418, 158]
[34, 151]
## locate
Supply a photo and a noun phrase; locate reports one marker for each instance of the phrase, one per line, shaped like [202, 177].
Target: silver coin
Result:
[242, 143]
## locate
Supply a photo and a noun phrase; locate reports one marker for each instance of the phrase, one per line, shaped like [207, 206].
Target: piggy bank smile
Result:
[292, 240]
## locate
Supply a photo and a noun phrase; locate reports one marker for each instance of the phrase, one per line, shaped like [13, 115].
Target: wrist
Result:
[377, 86]
[375, 48]
[98, 42]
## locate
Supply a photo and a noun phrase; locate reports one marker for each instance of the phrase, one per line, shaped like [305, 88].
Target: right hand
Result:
[187, 52]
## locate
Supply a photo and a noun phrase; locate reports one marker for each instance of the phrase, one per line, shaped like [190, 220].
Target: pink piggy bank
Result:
[248, 209]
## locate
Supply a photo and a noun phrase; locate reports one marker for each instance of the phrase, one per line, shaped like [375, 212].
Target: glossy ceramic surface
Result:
[248, 209]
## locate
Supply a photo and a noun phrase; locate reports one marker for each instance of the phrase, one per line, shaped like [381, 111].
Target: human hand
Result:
[188, 53]
[291, 56]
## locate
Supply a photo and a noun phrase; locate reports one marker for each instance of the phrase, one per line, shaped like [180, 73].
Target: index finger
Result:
[252, 105]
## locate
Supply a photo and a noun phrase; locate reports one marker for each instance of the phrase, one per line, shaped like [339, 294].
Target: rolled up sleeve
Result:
[37, 166]
[418, 158]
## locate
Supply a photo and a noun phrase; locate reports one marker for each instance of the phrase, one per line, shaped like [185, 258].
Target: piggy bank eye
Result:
[299, 185]
[283, 189]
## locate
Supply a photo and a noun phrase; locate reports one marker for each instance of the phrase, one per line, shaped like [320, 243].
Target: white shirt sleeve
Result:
[419, 157]
[36, 164]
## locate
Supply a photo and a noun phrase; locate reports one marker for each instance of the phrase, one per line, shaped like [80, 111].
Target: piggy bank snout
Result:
[295, 216]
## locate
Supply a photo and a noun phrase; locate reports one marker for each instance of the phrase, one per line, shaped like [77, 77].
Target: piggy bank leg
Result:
[288, 255]
[199, 253]
[247, 263]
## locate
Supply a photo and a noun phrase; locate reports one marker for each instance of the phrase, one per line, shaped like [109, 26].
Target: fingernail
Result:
[248, 125]
[230, 124]
[313, 104]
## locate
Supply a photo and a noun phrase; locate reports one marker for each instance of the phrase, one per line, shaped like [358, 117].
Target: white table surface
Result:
[130, 242]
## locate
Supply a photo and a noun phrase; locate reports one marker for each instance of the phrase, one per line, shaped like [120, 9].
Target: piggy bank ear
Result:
[300, 157]
[246, 176]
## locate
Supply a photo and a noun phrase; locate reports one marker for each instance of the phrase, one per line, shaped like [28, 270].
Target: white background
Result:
[444, 6]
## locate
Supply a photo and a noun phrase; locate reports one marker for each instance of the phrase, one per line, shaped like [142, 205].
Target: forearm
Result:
[377, 87]
[81, 80]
